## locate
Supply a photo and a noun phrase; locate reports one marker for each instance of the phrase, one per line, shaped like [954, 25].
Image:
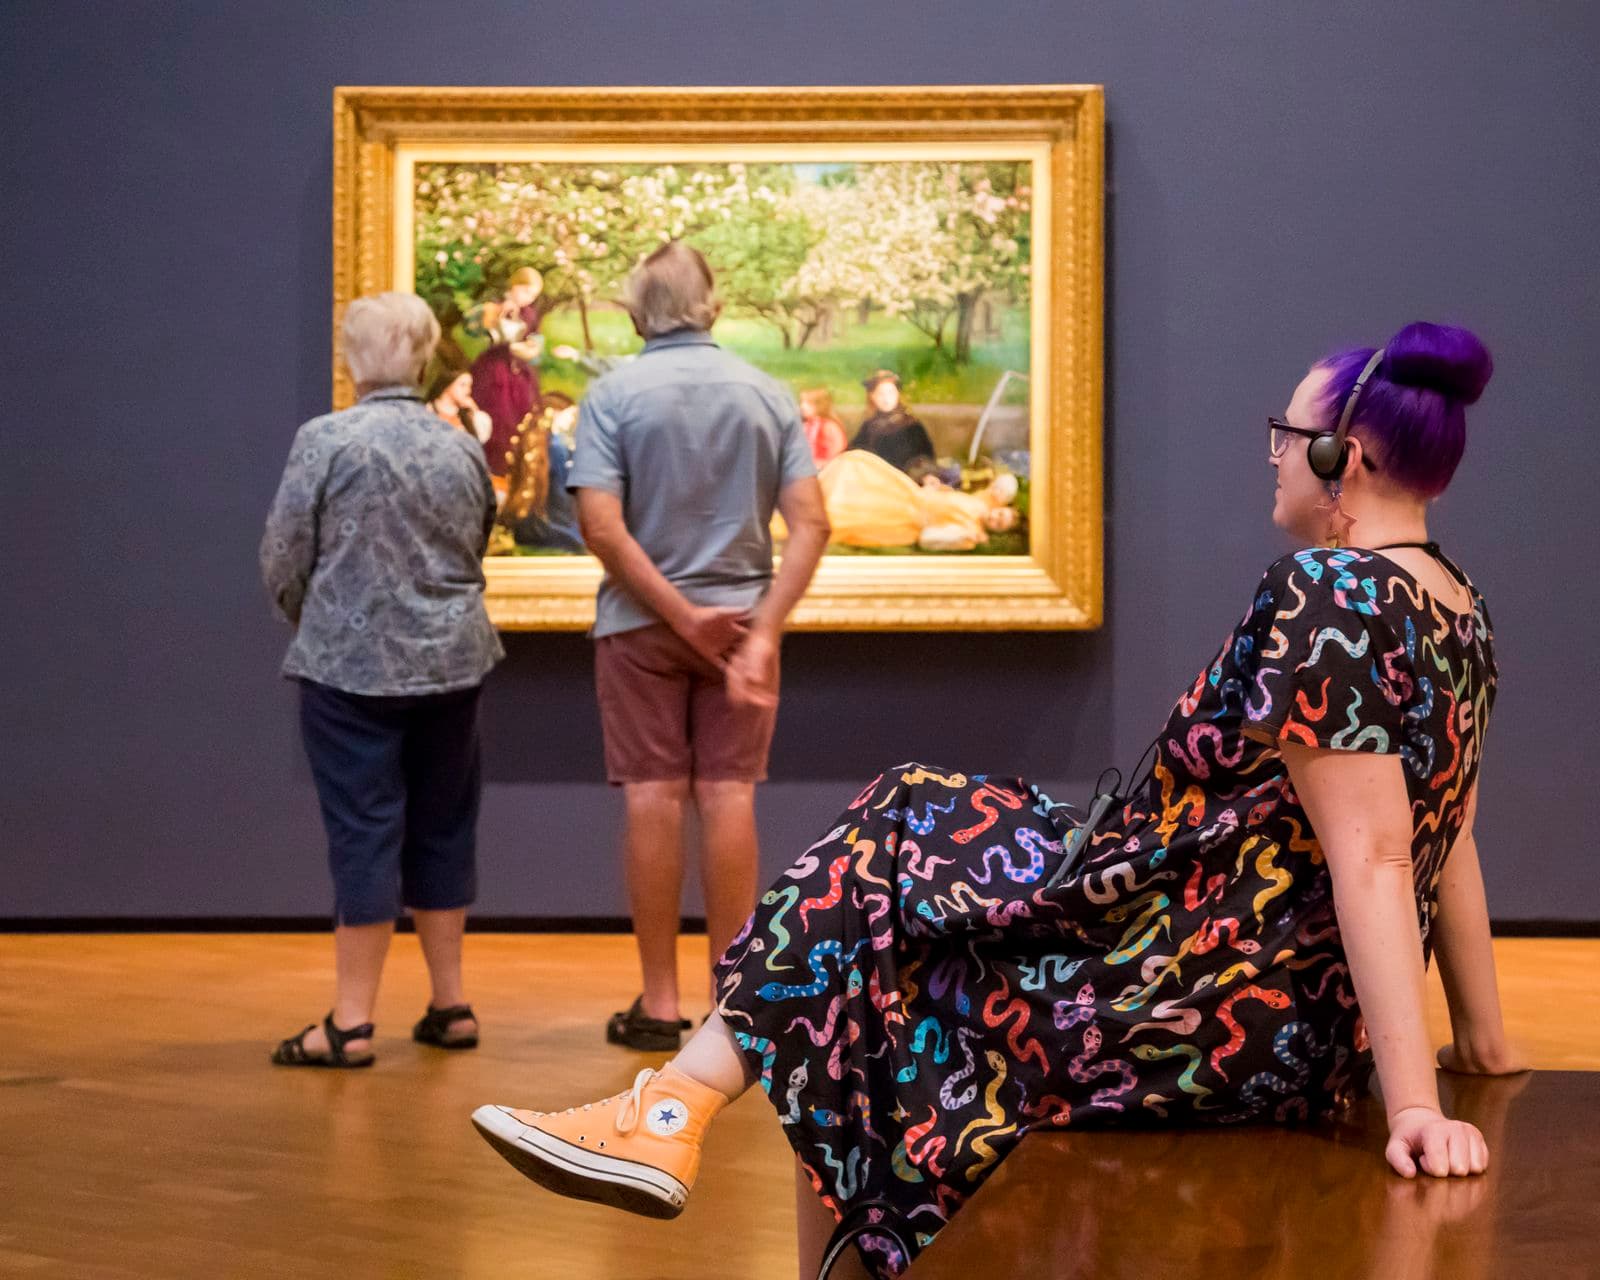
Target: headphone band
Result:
[1342, 432]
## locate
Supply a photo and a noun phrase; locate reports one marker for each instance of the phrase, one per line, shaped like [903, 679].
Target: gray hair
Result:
[388, 338]
[672, 289]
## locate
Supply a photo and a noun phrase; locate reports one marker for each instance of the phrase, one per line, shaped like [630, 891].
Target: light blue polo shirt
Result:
[697, 444]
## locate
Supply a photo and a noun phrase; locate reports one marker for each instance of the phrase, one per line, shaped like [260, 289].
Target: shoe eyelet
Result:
[580, 1138]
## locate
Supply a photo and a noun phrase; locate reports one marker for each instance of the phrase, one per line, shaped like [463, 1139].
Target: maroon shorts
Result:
[665, 713]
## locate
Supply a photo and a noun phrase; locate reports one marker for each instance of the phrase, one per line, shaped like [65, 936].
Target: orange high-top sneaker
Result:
[638, 1151]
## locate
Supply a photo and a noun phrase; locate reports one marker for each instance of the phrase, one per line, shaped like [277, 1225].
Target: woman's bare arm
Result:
[1360, 811]
[1466, 964]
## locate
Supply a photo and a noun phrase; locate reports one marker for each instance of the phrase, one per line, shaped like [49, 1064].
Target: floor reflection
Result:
[1286, 1204]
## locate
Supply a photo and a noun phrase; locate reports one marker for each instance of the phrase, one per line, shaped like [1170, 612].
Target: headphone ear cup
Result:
[1327, 456]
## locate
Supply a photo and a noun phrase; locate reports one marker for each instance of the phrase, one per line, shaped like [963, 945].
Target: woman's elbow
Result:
[1371, 867]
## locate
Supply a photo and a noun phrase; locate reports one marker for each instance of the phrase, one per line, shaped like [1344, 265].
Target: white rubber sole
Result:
[578, 1172]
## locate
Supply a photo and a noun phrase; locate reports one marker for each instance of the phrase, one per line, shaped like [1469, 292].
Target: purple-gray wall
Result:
[1284, 179]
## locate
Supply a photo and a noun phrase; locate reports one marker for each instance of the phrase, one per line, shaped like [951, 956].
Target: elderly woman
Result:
[959, 960]
[373, 552]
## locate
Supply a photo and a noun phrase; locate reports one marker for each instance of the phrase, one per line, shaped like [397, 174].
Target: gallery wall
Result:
[1283, 180]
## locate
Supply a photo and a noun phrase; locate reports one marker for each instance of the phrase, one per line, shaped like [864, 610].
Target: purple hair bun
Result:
[1439, 358]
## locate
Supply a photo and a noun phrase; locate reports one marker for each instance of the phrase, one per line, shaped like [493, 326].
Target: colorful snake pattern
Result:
[915, 996]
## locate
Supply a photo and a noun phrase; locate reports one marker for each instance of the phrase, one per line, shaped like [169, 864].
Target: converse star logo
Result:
[667, 1118]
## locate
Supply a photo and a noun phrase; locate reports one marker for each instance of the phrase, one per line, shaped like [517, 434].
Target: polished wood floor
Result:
[143, 1134]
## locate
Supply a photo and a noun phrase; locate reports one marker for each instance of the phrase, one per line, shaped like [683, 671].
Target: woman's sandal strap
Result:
[338, 1038]
[293, 1053]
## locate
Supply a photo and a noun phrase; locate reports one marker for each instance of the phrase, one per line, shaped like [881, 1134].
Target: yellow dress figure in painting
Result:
[872, 503]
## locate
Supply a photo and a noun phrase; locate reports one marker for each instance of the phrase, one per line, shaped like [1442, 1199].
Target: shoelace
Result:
[628, 1115]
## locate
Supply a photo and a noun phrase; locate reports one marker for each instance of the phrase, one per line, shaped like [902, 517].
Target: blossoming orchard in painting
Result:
[892, 296]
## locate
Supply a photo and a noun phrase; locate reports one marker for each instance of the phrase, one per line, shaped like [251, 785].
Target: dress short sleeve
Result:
[1327, 670]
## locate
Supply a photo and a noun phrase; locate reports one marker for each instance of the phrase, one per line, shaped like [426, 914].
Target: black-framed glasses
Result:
[1281, 431]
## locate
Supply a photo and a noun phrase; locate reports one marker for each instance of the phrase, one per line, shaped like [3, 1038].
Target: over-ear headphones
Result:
[1328, 452]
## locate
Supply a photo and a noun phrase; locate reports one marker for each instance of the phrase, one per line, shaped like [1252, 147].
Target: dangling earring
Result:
[1339, 522]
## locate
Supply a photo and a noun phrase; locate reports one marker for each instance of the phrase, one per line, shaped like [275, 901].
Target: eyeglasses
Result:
[1281, 431]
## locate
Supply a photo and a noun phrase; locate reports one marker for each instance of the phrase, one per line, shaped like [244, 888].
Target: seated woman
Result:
[449, 395]
[891, 431]
[959, 960]
[872, 503]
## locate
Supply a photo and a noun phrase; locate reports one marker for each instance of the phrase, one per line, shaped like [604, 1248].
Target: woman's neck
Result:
[1379, 523]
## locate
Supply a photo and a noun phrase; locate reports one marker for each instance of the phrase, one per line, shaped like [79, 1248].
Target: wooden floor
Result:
[142, 1133]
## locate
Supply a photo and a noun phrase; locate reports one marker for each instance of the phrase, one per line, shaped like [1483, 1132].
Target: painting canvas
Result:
[892, 297]
[920, 268]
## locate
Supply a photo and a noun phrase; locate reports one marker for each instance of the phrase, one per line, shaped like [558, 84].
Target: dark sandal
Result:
[434, 1024]
[293, 1053]
[635, 1029]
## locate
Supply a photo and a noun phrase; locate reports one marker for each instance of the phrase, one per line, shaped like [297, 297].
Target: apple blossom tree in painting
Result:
[793, 245]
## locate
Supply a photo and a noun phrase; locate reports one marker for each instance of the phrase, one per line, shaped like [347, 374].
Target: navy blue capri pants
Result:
[399, 781]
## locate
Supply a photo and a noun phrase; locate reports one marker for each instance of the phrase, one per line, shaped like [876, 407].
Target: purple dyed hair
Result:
[1412, 412]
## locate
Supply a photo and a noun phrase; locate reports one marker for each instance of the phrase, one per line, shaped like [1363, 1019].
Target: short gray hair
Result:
[388, 338]
[672, 289]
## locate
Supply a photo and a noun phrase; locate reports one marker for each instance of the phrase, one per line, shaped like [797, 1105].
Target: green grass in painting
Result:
[929, 376]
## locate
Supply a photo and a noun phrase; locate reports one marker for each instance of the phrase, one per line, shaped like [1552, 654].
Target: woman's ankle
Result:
[712, 1057]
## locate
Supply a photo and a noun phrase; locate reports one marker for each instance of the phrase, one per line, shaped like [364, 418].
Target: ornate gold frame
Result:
[378, 132]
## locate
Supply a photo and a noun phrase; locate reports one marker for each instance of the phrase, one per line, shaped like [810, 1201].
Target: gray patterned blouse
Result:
[374, 551]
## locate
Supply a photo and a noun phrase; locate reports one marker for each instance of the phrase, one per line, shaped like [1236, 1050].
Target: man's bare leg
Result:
[728, 859]
[653, 853]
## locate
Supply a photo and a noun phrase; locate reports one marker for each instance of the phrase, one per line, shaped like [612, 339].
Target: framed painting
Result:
[922, 266]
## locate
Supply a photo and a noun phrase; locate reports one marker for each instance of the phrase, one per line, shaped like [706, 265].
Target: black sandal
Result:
[635, 1029]
[293, 1053]
[432, 1028]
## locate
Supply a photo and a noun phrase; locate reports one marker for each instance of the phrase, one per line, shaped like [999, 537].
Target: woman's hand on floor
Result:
[1422, 1140]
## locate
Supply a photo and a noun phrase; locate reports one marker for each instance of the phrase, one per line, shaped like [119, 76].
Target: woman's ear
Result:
[1354, 453]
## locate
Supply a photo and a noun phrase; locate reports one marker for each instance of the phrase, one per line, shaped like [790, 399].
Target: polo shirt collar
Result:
[681, 338]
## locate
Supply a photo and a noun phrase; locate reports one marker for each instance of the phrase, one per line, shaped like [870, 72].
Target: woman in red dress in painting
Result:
[505, 378]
